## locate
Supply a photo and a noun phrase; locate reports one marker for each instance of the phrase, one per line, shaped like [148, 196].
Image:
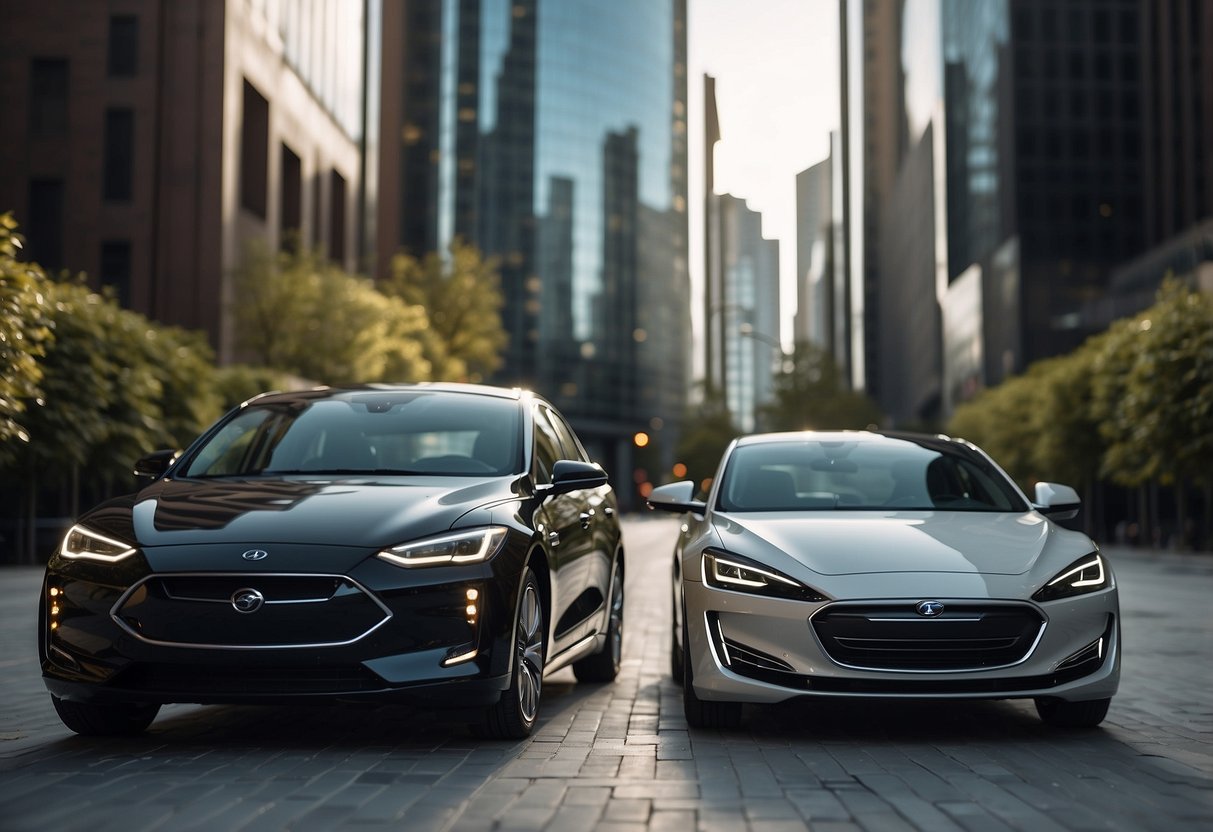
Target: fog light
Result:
[472, 610]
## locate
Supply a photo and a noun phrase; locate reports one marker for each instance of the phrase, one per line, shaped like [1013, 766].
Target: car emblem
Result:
[255, 554]
[247, 600]
[929, 608]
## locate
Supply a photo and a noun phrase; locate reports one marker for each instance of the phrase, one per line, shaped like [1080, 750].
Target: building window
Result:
[116, 269]
[119, 169]
[254, 151]
[44, 225]
[48, 96]
[336, 217]
[317, 197]
[123, 45]
[291, 226]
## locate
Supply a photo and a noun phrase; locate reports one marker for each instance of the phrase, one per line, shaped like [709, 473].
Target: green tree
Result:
[462, 294]
[1003, 420]
[237, 383]
[115, 386]
[1155, 395]
[708, 431]
[298, 313]
[811, 394]
[25, 332]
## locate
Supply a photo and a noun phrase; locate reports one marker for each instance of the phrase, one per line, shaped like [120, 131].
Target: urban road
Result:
[620, 756]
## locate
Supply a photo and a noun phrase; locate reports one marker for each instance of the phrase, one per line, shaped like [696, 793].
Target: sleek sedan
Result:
[445, 544]
[885, 565]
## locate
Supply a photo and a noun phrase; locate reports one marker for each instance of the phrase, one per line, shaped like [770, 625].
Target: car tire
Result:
[1062, 714]
[603, 666]
[121, 719]
[703, 713]
[513, 717]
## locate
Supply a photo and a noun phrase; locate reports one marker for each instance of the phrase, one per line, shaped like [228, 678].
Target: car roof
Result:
[833, 436]
[337, 391]
[929, 440]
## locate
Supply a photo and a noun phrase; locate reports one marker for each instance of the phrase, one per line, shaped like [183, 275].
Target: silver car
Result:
[885, 565]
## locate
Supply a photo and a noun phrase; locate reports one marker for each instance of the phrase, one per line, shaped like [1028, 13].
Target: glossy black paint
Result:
[155, 626]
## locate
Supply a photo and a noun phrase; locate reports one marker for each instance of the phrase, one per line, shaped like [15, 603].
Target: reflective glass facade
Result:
[553, 136]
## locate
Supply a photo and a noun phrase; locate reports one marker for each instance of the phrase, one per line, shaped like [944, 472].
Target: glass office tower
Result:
[553, 136]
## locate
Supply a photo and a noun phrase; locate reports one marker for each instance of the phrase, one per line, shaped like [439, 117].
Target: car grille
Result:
[294, 611]
[893, 636]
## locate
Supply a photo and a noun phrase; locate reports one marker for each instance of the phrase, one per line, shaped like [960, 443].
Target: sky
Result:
[776, 69]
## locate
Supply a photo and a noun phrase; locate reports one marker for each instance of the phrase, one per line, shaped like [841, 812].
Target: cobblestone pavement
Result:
[620, 757]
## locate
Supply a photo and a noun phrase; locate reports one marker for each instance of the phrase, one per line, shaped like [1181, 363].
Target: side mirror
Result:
[571, 475]
[677, 497]
[153, 466]
[1061, 502]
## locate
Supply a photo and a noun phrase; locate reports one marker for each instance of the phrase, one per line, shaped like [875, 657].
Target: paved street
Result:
[620, 757]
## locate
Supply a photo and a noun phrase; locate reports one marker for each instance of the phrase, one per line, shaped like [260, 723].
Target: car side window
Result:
[547, 447]
[568, 440]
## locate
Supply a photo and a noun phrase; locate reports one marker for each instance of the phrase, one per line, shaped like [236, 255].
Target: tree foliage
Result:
[1155, 402]
[1133, 405]
[461, 292]
[25, 331]
[811, 394]
[299, 313]
[115, 386]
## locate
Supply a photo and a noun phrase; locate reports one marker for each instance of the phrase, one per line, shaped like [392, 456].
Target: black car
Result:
[441, 544]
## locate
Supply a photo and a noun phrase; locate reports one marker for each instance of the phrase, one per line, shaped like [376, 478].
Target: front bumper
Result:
[746, 648]
[440, 635]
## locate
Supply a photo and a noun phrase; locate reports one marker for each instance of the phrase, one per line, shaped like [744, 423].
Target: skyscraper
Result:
[553, 137]
[1040, 146]
[749, 311]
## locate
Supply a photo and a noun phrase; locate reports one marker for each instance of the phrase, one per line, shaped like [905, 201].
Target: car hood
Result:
[359, 512]
[858, 542]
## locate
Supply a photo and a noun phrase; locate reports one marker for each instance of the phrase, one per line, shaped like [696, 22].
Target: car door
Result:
[598, 516]
[566, 537]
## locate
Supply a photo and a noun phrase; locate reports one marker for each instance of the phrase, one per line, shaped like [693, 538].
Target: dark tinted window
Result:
[853, 475]
[337, 196]
[44, 229]
[254, 150]
[48, 96]
[292, 199]
[547, 447]
[389, 433]
[119, 154]
[116, 269]
[123, 45]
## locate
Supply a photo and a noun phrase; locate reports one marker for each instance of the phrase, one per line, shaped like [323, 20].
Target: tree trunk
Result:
[1181, 515]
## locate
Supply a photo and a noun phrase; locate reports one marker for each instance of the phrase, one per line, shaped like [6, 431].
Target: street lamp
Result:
[747, 330]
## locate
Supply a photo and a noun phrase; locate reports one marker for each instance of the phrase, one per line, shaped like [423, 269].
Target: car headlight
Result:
[1087, 574]
[725, 570]
[472, 546]
[84, 544]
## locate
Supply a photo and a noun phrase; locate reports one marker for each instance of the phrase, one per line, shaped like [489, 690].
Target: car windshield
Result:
[863, 475]
[428, 433]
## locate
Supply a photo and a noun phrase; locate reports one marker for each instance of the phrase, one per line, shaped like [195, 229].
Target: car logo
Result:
[247, 600]
[255, 554]
[929, 608]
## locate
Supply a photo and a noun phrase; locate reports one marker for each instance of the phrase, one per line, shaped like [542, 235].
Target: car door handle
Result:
[553, 538]
[586, 519]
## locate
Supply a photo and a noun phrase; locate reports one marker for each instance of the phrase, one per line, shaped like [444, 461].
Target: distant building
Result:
[750, 311]
[147, 142]
[553, 137]
[814, 257]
